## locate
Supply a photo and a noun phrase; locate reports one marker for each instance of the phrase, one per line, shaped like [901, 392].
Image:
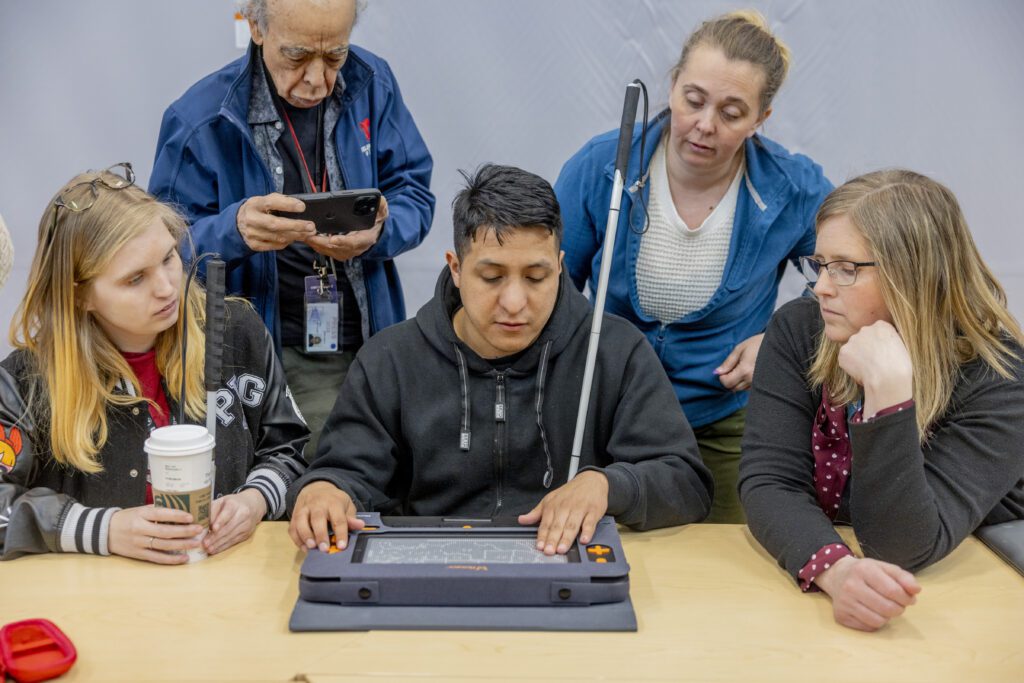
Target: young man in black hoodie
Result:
[470, 409]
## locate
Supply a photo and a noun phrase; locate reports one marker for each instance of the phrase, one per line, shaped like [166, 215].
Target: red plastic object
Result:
[35, 650]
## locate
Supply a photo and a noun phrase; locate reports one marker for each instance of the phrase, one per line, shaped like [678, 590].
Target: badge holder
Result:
[323, 311]
[34, 650]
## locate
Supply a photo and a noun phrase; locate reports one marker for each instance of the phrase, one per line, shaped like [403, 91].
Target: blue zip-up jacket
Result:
[207, 163]
[774, 223]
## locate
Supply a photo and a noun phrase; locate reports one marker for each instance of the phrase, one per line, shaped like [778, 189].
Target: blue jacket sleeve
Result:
[404, 167]
[814, 189]
[580, 237]
[185, 173]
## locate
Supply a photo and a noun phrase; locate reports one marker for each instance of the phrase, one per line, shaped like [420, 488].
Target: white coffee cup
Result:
[181, 470]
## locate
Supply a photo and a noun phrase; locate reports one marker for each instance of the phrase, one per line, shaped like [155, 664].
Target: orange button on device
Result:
[600, 553]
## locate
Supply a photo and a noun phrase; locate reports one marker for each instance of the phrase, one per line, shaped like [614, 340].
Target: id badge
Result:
[323, 310]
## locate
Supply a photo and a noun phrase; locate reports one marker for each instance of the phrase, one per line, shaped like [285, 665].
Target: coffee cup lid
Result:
[179, 440]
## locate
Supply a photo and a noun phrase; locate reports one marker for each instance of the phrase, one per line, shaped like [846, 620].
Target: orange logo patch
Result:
[10, 448]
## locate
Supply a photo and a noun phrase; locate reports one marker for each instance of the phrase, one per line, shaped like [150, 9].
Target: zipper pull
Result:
[499, 403]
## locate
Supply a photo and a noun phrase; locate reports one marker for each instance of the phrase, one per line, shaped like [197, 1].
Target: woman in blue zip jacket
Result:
[712, 213]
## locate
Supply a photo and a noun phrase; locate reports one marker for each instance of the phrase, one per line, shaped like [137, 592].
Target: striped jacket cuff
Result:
[271, 486]
[86, 530]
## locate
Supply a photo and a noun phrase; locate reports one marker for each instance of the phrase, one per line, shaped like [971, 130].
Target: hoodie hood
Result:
[435, 322]
[571, 311]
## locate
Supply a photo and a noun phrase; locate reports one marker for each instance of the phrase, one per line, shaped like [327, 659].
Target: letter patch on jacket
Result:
[10, 448]
[225, 399]
[249, 389]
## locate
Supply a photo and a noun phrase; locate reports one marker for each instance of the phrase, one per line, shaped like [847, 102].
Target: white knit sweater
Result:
[679, 269]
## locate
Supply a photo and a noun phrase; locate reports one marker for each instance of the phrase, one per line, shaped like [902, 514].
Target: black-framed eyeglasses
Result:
[842, 273]
[81, 196]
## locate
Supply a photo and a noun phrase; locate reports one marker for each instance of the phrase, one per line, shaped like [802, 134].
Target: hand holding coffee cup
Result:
[181, 470]
[153, 534]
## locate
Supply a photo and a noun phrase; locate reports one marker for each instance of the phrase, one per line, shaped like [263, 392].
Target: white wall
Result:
[934, 86]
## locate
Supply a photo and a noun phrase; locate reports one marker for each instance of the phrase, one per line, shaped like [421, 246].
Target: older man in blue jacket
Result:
[302, 111]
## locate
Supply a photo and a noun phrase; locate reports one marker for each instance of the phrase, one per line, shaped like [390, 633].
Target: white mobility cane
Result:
[621, 165]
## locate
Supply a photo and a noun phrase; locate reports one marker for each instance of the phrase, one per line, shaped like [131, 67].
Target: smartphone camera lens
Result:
[365, 206]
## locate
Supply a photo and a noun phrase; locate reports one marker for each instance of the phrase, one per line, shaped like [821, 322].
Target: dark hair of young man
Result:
[502, 199]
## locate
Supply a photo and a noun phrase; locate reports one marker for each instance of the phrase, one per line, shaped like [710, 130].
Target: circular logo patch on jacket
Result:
[10, 448]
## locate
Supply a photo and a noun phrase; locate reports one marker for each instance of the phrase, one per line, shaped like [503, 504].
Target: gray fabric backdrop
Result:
[934, 86]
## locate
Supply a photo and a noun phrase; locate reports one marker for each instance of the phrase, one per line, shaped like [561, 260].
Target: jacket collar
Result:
[262, 109]
[765, 179]
[655, 129]
[355, 76]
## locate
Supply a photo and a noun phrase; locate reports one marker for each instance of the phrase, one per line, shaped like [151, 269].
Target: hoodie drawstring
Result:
[464, 433]
[549, 474]
[465, 437]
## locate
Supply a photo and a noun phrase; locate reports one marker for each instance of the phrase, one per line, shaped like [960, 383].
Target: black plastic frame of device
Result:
[600, 576]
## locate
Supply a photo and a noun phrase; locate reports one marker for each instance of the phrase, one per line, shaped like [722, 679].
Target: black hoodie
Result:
[418, 428]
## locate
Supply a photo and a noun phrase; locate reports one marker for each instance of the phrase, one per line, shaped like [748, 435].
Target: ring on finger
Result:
[152, 539]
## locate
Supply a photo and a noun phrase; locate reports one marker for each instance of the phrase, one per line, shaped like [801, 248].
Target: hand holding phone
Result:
[338, 213]
[353, 244]
[263, 230]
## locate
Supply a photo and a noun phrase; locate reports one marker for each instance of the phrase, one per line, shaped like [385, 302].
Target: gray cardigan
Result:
[910, 505]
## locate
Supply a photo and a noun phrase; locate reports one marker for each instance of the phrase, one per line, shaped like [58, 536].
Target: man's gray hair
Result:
[256, 10]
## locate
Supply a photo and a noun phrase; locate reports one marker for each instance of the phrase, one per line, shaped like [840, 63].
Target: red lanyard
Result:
[302, 157]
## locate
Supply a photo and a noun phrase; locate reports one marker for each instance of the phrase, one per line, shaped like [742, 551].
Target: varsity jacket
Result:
[424, 426]
[47, 507]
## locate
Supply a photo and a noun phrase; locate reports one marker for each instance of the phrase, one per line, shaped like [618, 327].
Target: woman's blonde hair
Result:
[743, 35]
[944, 301]
[75, 364]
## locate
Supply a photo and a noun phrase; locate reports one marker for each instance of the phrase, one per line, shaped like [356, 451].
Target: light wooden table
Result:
[711, 606]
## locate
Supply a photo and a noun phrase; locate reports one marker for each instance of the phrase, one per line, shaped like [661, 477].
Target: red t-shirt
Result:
[144, 367]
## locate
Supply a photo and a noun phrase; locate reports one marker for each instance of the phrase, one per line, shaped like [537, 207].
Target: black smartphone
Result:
[336, 213]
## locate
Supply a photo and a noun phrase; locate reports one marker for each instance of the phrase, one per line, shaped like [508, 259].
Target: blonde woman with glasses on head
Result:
[894, 402]
[98, 365]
